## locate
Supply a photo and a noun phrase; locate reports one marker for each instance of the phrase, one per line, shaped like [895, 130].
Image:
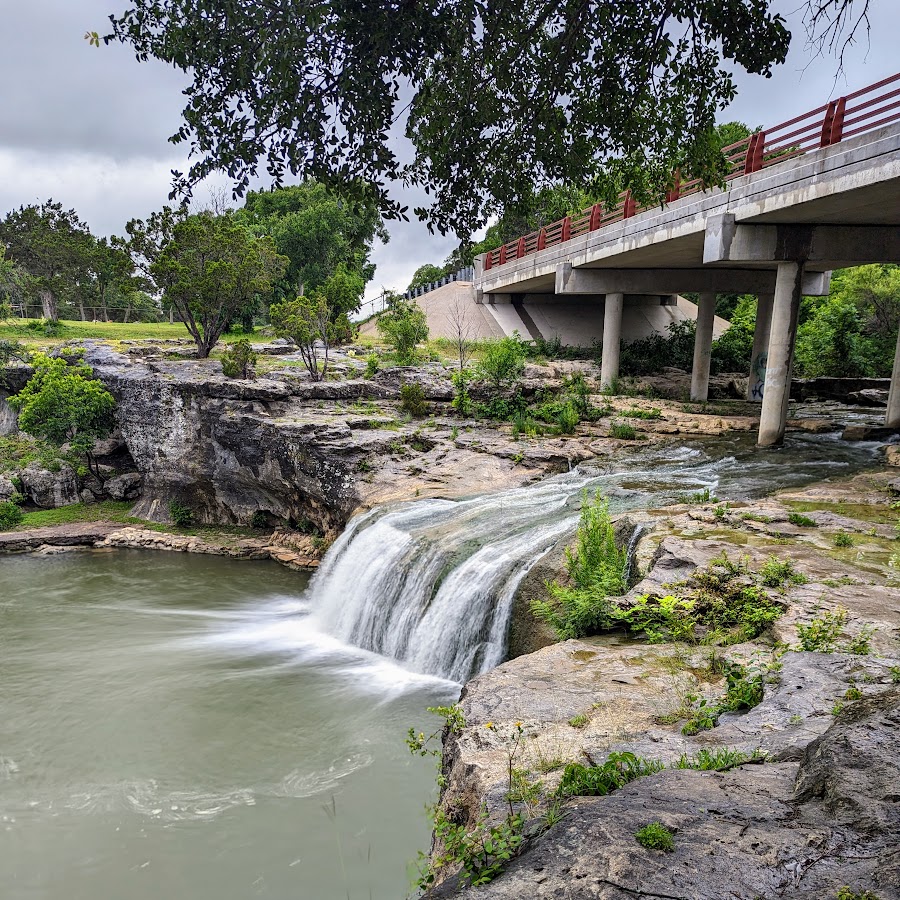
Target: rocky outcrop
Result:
[50, 489]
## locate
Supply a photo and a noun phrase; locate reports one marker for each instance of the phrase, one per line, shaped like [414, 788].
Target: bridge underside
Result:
[777, 233]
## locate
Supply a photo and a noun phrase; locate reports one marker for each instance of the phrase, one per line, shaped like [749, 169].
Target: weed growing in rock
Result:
[720, 760]
[895, 674]
[744, 691]
[778, 573]
[596, 568]
[803, 521]
[372, 366]
[598, 781]
[656, 836]
[580, 720]
[853, 693]
[842, 539]
[700, 497]
[454, 721]
[635, 413]
[621, 431]
[823, 633]
[860, 644]
[845, 893]
[412, 400]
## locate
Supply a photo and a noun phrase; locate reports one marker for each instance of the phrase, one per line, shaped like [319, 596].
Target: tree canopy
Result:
[210, 268]
[317, 232]
[498, 98]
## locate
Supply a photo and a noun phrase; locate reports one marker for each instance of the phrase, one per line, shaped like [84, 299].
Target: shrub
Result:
[259, 519]
[10, 515]
[372, 365]
[655, 836]
[775, 573]
[567, 419]
[182, 515]
[462, 399]
[412, 400]
[579, 721]
[842, 539]
[801, 520]
[503, 362]
[239, 360]
[823, 633]
[596, 568]
[744, 691]
[635, 413]
[597, 781]
[403, 325]
[621, 431]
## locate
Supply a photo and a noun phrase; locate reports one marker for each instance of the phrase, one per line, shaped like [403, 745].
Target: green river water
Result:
[164, 733]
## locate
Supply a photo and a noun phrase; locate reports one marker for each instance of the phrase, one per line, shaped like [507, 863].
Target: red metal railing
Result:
[864, 110]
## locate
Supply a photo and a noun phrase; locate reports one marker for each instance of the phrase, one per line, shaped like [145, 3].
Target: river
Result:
[201, 728]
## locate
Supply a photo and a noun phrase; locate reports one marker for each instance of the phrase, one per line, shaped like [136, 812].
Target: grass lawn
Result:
[118, 511]
[17, 330]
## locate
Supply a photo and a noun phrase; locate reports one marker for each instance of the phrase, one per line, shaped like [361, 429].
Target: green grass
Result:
[105, 511]
[15, 329]
[17, 451]
[655, 836]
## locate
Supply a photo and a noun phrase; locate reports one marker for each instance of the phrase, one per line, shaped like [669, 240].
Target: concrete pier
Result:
[706, 314]
[780, 362]
[892, 418]
[612, 339]
[758, 356]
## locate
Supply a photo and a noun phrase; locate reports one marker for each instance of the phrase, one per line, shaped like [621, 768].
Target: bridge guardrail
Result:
[828, 124]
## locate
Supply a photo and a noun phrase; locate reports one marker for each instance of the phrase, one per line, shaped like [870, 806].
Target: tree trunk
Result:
[50, 306]
[81, 309]
[171, 316]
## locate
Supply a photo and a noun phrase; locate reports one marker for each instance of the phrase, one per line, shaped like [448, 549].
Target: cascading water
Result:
[431, 583]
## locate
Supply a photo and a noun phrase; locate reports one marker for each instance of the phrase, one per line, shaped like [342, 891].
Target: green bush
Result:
[597, 781]
[259, 519]
[744, 691]
[182, 515]
[462, 399]
[622, 432]
[719, 760]
[596, 568]
[372, 365]
[503, 362]
[567, 419]
[801, 520]
[239, 360]
[776, 573]
[655, 836]
[10, 515]
[842, 539]
[403, 325]
[823, 632]
[412, 400]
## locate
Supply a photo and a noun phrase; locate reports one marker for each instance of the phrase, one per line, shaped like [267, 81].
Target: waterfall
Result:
[431, 583]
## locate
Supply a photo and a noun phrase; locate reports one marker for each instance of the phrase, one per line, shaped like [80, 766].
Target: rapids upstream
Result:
[197, 727]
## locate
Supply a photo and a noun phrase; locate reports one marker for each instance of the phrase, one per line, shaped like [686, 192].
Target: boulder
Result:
[869, 397]
[124, 487]
[47, 489]
[892, 454]
[7, 488]
[867, 433]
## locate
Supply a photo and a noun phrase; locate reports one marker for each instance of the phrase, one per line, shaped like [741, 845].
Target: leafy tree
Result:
[319, 318]
[53, 245]
[499, 98]
[211, 268]
[306, 320]
[403, 325]
[426, 274]
[63, 403]
[14, 284]
[317, 232]
[503, 362]
[109, 267]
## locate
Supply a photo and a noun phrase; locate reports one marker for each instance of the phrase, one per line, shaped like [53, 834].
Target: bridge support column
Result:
[757, 380]
[706, 314]
[780, 362]
[892, 419]
[612, 339]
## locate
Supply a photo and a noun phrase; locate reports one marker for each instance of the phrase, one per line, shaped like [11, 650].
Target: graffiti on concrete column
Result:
[759, 376]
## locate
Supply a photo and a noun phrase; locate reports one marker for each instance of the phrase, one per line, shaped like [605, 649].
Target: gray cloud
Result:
[89, 126]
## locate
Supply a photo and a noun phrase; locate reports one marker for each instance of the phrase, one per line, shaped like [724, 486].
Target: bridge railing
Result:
[864, 110]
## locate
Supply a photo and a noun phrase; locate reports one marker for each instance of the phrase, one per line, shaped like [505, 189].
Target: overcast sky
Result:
[89, 127]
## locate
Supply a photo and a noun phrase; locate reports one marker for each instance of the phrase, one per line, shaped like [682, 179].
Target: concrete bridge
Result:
[816, 193]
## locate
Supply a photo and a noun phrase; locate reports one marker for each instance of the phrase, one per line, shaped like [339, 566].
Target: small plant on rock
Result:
[823, 632]
[842, 539]
[622, 432]
[619, 769]
[845, 893]
[656, 836]
[239, 360]
[580, 720]
[777, 573]
[802, 521]
[412, 400]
